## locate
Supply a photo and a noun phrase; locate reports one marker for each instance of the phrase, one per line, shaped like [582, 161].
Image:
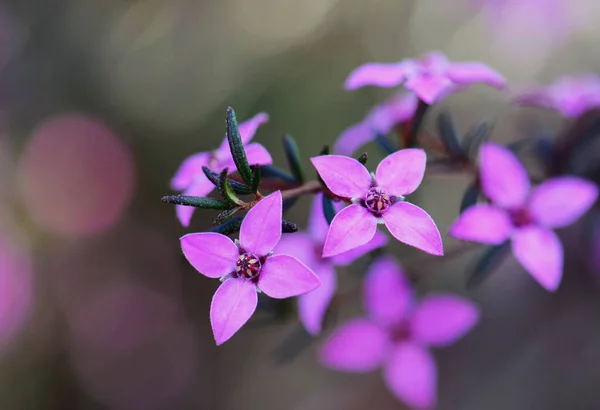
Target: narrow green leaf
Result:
[363, 158]
[195, 201]
[328, 209]
[293, 156]
[470, 196]
[385, 144]
[475, 137]
[326, 150]
[487, 263]
[256, 175]
[448, 135]
[237, 147]
[229, 227]
[225, 216]
[226, 191]
[238, 188]
[289, 227]
[273, 172]
[417, 121]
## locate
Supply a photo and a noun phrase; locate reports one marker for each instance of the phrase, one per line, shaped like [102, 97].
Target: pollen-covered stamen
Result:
[377, 200]
[248, 266]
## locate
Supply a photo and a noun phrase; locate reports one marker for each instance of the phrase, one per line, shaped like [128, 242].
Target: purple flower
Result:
[396, 333]
[524, 217]
[190, 179]
[377, 199]
[570, 95]
[247, 267]
[431, 77]
[308, 247]
[380, 120]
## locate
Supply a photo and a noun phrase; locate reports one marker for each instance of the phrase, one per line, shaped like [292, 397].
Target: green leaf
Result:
[226, 191]
[225, 216]
[238, 188]
[195, 201]
[293, 156]
[237, 147]
[256, 175]
[475, 137]
[325, 150]
[448, 135]
[487, 263]
[288, 227]
[470, 196]
[363, 158]
[229, 227]
[411, 139]
[385, 144]
[328, 209]
[273, 172]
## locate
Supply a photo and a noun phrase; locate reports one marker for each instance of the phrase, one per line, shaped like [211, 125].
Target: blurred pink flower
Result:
[247, 267]
[572, 96]
[308, 248]
[380, 120]
[75, 176]
[396, 333]
[190, 179]
[431, 77]
[377, 199]
[526, 218]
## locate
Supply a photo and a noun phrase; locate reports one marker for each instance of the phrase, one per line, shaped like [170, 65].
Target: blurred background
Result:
[100, 101]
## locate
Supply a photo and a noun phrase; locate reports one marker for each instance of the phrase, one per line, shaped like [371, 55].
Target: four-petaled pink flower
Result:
[377, 198]
[247, 267]
[380, 120]
[308, 247]
[524, 217]
[396, 333]
[190, 179]
[431, 77]
[572, 96]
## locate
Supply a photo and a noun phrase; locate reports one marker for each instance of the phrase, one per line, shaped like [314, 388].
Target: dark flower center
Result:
[248, 266]
[377, 200]
[401, 331]
[520, 217]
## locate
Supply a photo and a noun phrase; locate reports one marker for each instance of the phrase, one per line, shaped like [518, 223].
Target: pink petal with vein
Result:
[410, 224]
[211, 254]
[232, 305]
[261, 228]
[352, 227]
[377, 74]
[401, 173]
[483, 223]
[540, 252]
[344, 176]
[284, 276]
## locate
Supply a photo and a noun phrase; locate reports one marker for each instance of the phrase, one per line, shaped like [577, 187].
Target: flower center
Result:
[402, 331]
[521, 217]
[248, 266]
[377, 200]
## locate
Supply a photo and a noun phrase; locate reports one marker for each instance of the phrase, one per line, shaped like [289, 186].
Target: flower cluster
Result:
[270, 257]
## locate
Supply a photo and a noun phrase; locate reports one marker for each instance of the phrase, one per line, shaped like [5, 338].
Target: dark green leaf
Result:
[195, 201]
[238, 188]
[225, 216]
[229, 227]
[417, 121]
[487, 263]
[272, 172]
[325, 150]
[293, 156]
[469, 196]
[237, 147]
[448, 135]
[475, 137]
[385, 144]
[256, 174]
[328, 209]
[363, 158]
[226, 190]
[289, 227]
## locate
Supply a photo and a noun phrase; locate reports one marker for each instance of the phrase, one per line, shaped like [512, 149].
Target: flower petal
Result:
[346, 258]
[410, 224]
[313, 305]
[300, 246]
[559, 202]
[377, 74]
[466, 73]
[401, 173]
[482, 223]
[396, 110]
[356, 346]
[429, 88]
[540, 252]
[247, 129]
[388, 295]
[353, 137]
[283, 276]
[261, 228]
[352, 227]
[504, 179]
[257, 154]
[189, 169]
[232, 305]
[200, 187]
[211, 254]
[411, 374]
[344, 176]
[440, 320]
[317, 224]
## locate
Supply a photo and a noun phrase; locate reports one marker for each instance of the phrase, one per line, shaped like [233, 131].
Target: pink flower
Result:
[247, 266]
[396, 333]
[570, 95]
[431, 77]
[377, 199]
[524, 217]
[380, 120]
[308, 248]
[190, 179]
